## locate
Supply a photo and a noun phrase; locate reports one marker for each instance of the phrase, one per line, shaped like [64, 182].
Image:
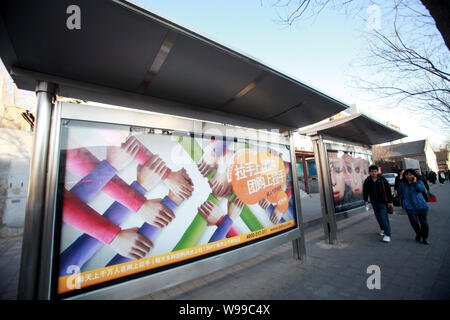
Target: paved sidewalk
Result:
[409, 270]
[10, 250]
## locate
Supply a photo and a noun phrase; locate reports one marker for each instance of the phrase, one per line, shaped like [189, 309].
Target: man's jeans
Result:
[381, 214]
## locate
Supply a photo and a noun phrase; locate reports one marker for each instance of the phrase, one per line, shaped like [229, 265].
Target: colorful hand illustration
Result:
[176, 199]
[155, 213]
[235, 208]
[208, 162]
[121, 157]
[150, 174]
[220, 185]
[129, 243]
[180, 183]
[275, 216]
[264, 203]
[210, 212]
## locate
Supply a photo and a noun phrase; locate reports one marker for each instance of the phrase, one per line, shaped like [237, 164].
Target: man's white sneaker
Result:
[382, 233]
[386, 239]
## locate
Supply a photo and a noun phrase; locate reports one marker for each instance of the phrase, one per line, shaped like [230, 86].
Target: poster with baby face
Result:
[132, 202]
[348, 170]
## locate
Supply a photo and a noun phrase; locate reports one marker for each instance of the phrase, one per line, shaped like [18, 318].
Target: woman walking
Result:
[414, 203]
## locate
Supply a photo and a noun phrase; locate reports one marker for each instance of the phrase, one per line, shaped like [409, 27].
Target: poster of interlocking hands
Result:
[133, 200]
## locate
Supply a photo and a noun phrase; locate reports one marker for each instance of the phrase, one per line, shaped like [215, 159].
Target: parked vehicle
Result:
[390, 177]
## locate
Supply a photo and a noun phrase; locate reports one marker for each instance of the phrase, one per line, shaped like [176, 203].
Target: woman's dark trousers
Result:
[419, 224]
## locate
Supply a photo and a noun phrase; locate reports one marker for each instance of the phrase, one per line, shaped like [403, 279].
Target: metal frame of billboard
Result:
[347, 147]
[324, 178]
[39, 234]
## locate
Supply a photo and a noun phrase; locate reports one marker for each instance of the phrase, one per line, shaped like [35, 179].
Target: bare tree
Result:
[409, 64]
[290, 11]
[407, 61]
[440, 11]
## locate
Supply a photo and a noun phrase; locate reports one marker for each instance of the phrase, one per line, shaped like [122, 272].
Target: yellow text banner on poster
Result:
[89, 278]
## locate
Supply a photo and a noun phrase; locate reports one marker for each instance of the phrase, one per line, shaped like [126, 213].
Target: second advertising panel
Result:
[348, 170]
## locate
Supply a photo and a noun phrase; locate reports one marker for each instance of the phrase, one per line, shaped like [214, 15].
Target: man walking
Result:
[379, 191]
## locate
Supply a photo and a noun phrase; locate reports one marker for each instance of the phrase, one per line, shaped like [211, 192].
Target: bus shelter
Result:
[192, 159]
[343, 155]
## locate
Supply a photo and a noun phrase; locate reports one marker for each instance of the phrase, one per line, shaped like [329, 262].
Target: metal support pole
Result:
[305, 173]
[31, 245]
[298, 245]
[325, 190]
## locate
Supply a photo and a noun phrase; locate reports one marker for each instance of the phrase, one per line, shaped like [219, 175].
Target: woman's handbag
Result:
[431, 197]
[390, 209]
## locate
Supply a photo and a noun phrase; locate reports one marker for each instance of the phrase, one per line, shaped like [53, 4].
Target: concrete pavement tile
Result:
[386, 280]
[352, 293]
[3, 264]
[416, 293]
[174, 292]
[7, 276]
[425, 284]
[426, 279]
[393, 292]
[370, 294]
[402, 281]
[444, 275]
[8, 295]
[345, 295]
[161, 295]
[325, 291]
[439, 292]
[361, 297]
[295, 294]
[413, 261]
[410, 271]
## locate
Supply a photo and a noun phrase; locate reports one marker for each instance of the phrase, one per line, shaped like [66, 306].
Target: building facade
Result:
[389, 157]
[443, 159]
[16, 141]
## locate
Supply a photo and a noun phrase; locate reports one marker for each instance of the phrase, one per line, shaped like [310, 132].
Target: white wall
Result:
[431, 157]
[15, 153]
[302, 142]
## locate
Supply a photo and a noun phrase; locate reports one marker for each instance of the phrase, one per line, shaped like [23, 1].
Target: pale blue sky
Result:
[320, 52]
[316, 52]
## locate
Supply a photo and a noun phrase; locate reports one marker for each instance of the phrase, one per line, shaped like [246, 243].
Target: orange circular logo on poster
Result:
[282, 201]
[274, 172]
[244, 178]
[257, 175]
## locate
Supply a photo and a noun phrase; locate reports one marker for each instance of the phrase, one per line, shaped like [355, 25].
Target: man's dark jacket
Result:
[369, 189]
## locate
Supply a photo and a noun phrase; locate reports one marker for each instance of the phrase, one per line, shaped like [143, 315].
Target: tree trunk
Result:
[440, 11]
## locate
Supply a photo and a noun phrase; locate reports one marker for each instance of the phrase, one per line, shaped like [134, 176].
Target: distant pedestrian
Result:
[415, 205]
[397, 181]
[379, 191]
[432, 177]
[441, 176]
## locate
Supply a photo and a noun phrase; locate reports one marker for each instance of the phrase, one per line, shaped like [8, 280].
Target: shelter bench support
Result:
[35, 211]
[325, 190]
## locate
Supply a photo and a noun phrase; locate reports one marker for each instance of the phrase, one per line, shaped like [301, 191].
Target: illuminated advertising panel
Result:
[134, 201]
[349, 167]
